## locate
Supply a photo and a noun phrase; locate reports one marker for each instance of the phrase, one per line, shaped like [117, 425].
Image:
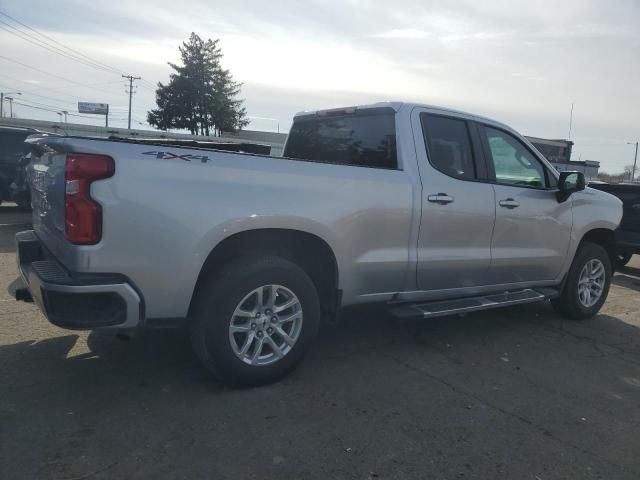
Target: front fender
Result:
[592, 210]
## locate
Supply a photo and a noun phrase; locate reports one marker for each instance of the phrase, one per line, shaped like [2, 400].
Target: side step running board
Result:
[464, 305]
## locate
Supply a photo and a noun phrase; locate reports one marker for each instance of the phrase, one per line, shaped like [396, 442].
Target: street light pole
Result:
[10, 106]
[2, 95]
[635, 160]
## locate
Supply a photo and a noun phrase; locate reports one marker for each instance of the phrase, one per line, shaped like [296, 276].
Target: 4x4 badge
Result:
[186, 157]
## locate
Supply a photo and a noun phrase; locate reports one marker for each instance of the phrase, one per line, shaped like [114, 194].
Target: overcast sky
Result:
[522, 63]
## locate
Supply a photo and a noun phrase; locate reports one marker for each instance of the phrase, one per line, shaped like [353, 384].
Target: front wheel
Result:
[587, 284]
[255, 319]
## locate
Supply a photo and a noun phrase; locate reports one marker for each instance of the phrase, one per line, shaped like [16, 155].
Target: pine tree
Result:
[201, 96]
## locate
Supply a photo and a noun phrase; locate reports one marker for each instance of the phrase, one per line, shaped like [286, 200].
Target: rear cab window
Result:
[365, 138]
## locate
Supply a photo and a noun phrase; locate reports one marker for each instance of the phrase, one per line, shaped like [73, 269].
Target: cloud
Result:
[403, 33]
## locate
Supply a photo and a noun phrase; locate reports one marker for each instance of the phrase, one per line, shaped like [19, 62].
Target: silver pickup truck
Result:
[425, 211]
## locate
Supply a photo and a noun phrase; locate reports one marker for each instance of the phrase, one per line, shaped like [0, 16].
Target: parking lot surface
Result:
[517, 393]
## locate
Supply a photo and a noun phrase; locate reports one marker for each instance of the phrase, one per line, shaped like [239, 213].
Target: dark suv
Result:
[12, 152]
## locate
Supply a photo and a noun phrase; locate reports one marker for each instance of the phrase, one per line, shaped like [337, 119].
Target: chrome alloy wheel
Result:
[265, 325]
[591, 283]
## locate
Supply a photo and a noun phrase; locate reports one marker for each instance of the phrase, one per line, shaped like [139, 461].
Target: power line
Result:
[33, 40]
[50, 74]
[63, 48]
[36, 95]
[57, 89]
[54, 108]
[42, 104]
[54, 46]
[37, 108]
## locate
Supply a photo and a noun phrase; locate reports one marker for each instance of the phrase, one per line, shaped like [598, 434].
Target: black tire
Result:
[622, 258]
[568, 304]
[216, 300]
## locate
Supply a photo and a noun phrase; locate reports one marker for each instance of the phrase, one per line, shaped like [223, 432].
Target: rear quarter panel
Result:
[162, 217]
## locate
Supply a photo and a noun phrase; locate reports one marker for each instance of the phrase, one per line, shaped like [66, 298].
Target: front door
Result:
[454, 244]
[532, 229]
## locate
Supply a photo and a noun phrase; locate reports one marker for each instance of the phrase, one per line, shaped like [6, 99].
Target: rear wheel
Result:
[255, 319]
[587, 284]
[622, 258]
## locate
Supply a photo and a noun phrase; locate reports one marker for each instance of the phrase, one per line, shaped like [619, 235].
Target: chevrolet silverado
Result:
[425, 211]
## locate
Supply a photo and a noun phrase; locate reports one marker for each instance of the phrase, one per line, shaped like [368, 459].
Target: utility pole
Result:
[635, 160]
[131, 78]
[65, 115]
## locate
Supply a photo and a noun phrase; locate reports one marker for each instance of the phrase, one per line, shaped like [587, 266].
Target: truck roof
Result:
[396, 106]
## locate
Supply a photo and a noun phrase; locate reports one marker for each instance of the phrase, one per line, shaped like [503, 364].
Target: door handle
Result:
[508, 203]
[441, 198]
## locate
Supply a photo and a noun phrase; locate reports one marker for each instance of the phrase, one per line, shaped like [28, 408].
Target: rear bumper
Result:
[75, 301]
[628, 240]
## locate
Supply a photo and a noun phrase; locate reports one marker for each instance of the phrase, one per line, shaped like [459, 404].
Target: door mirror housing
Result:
[568, 183]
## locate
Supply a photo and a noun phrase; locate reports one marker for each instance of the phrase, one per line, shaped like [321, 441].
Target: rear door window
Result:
[449, 145]
[367, 140]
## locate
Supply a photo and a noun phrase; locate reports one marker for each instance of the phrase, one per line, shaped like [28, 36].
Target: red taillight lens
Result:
[83, 215]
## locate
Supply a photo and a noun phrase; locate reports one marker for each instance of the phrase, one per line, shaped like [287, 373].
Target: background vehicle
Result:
[628, 233]
[428, 210]
[12, 149]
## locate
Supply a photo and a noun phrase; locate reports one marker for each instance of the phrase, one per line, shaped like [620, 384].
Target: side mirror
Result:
[568, 183]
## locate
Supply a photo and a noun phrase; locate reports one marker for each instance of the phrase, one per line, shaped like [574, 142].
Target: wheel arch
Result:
[312, 253]
[604, 237]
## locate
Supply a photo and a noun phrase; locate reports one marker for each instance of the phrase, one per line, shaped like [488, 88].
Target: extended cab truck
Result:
[628, 233]
[425, 210]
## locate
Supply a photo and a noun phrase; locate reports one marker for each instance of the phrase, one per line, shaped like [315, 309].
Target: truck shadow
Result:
[162, 360]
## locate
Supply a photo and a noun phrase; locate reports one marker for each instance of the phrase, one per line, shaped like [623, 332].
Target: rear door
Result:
[458, 206]
[532, 229]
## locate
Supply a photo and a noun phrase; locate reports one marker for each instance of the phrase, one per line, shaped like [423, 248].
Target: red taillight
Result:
[83, 215]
